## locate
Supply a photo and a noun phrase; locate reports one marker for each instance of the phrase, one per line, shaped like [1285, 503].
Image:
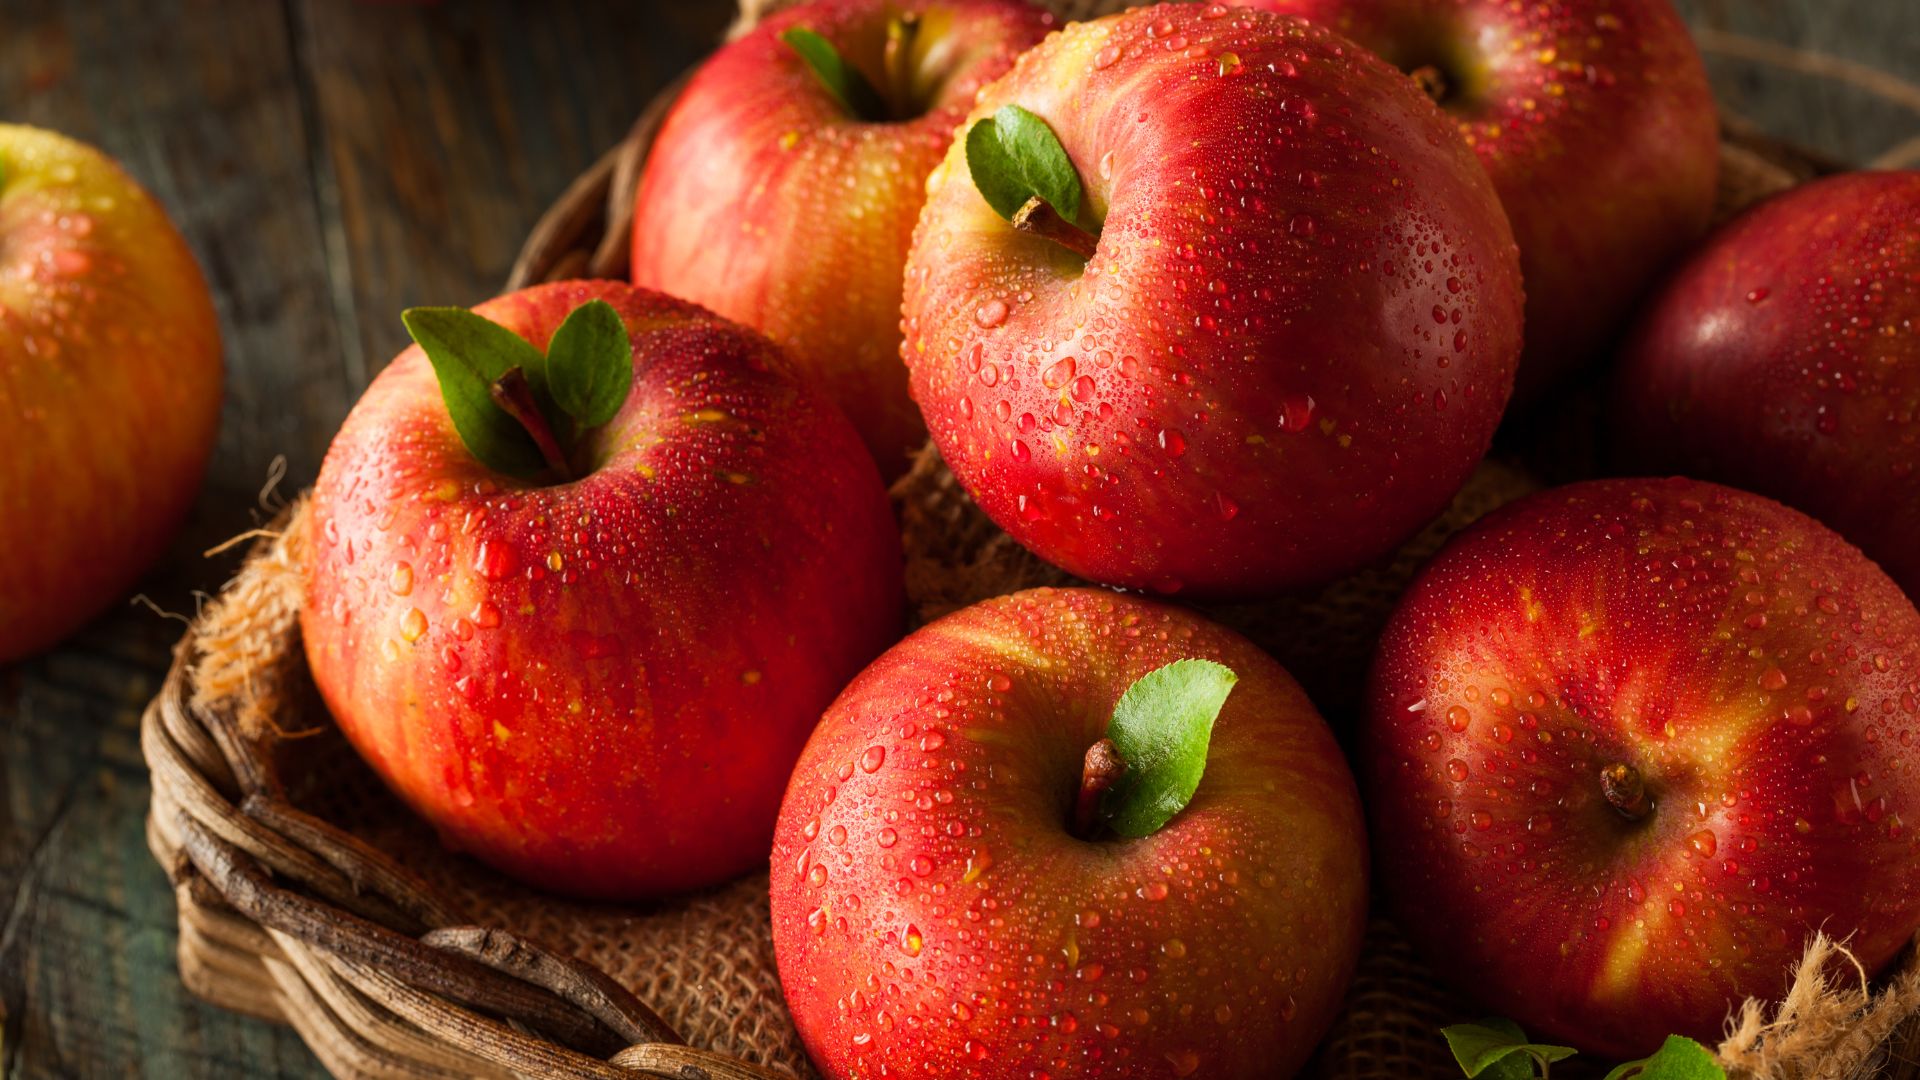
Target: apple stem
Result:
[902, 29]
[1100, 770]
[1432, 81]
[1626, 791]
[1040, 218]
[514, 394]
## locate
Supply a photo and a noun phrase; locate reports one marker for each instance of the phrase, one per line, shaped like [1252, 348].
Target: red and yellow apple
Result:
[109, 384]
[767, 200]
[1631, 743]
[935, 913]
[1596, 123]
[1293, 339]
[1784, 357]
[600, 686]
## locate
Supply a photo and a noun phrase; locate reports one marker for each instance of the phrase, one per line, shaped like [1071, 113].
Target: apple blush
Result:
[1210, 301]
[1068, 834]
[1631, 743]
[1596, 123]
[581, 602]
[1784, 357]
[109, 384]
[783, 187]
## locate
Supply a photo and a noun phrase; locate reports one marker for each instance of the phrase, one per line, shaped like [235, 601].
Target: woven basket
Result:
[308, 895]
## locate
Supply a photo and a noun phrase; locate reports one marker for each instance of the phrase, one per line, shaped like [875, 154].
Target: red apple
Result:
[1596, 122]
[936, 914]
[1785, 357]
[1630, 743]
[601, 685]
[1293, 339]
[766, 199]
[109, 384]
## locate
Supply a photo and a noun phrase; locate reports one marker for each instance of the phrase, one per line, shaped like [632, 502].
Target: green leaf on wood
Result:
[469, 353]
[1679, 1058]
[1161, 727]
[1014, 156]
[1497, 1049]
[842, 80]
[590, 364]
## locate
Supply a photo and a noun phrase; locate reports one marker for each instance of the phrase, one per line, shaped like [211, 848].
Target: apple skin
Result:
[1291, 346]
[600, 687]
[110, 384]
[765, 201]
[1758, 671]
[1597, 124]
[934, 917]
[1784, 357]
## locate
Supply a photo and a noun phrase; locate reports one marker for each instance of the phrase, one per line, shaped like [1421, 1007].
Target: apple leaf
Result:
[842, 80]
[1161, 727]
[1679, 1058]
[469, 353]
[590, 364]
[1497, 1049]
[1014, 156]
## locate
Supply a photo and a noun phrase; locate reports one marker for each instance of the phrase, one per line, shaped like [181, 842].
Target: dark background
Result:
[332, 162]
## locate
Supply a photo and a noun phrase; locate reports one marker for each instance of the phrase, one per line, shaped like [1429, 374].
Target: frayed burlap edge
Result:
[247, 639]
[1832, 1025]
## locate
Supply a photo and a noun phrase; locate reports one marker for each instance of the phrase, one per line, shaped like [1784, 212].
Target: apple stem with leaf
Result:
[514, 394]
[1146, 768]
[902, 31]
[1498, 1049]
[1024, 173]
[518, 410]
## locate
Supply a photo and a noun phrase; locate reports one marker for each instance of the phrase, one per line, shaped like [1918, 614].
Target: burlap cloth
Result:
[706, 962]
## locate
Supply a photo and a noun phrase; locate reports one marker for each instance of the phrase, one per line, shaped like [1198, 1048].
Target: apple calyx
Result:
[1147, 767]
[1626, 791]
[518, 410]
[1022, 171]
[1039, 217]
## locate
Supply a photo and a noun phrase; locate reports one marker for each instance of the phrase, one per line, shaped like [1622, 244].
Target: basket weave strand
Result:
[308, 895]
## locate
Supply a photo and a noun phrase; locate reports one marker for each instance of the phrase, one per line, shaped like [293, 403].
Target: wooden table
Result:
[332, 162]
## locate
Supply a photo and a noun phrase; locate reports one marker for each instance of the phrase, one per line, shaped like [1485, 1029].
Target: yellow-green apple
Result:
[784, 197]
[109, 384]
[1267, 337]
[1784, 357]
[987, 865]
[1596, 122]
[595, 671]
[1631, 743]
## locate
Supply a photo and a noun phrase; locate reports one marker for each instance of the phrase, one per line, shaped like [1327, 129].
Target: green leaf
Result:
[1497, 1049]
[842, 80]
[469, 353]
[1161, 727]
[1014, 156]
[590, 364]
[1679, 1058]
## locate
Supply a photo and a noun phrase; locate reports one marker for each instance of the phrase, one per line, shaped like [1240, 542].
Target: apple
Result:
[1596, 122]
[599, 684]
[1784, 357]
[1630, 743]
[1293, 337]
[110, 383]
[769, 199]
[944, 904]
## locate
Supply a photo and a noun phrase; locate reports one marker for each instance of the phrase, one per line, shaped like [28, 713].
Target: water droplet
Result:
[990, 314]
[873, 758]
